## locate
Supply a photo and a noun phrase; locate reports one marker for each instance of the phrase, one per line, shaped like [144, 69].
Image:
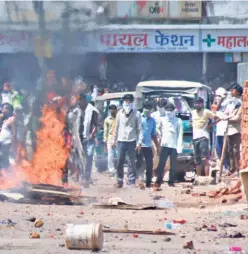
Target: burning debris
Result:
[49, 159]
[45, 194]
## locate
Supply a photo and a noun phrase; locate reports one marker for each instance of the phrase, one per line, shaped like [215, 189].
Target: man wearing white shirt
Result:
[171, 129]
[157, 115]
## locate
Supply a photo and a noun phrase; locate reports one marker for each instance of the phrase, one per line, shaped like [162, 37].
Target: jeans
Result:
[88, 147]
[164, 154]
[219, 147]
[111, 158]
[234, 142]
[4, 155]
[128, 148]
[146, 152]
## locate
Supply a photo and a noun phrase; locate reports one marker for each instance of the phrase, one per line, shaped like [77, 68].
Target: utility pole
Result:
[39, 9]
[66, 37]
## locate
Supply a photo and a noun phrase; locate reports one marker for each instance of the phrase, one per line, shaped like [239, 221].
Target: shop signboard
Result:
[224, 40]
[185, 10]
[149, 41]
[190, 9]
[171, 9]
[12, 42]
[138, 9]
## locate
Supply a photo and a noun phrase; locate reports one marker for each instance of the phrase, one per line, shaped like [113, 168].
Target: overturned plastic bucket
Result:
[86, 236]
[244, 179]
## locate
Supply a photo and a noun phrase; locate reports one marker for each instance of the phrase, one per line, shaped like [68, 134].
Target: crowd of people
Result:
[135, 133]
[21, 110]
[130, 135]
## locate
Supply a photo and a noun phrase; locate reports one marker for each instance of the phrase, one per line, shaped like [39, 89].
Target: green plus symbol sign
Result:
[209, 40]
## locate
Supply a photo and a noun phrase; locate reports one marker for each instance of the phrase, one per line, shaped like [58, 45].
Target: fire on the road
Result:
[49, 159]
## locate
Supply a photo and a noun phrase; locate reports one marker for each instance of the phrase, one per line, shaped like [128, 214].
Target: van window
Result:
[181, 105]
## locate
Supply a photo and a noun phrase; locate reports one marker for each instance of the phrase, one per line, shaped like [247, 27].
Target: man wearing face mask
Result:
[171, 128]
[128, 137]
[200, 124]
[149, 134]
[159, 113]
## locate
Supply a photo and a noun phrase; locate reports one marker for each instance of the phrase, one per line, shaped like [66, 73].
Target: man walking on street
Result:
[200, 124]
[128, 136]
[149, 134]
[109, 124]
[171, 128]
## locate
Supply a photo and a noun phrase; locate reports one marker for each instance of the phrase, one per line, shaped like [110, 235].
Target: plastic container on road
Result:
[87, 236]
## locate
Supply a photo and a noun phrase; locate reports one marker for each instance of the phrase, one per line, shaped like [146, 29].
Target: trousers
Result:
[219, 147]
[146, 152]
[164, 154]
[4, 155]
[234, 142]
[89, 148]
[129, 149]
[111, 158]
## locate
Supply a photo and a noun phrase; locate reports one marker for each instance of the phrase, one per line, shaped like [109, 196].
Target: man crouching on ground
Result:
[128, 137]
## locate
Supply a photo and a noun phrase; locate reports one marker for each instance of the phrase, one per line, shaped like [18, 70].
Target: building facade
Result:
[129, 41]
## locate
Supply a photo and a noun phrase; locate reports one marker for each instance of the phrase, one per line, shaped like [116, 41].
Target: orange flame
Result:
[49, 159]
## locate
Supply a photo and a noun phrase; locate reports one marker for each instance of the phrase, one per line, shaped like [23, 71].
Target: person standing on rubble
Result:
[109, 124]
[149, 134]
[171, 129]
[7, 134]
[128, 138]
[234, 111]
[200, 122]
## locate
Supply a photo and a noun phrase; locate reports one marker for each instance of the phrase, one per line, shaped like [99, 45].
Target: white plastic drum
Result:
[87, 236]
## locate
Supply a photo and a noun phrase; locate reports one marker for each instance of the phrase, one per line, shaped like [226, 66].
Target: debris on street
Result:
[38, 223]
[46, 194]
[34, 235]
[233, 235]
[8, 223]
[244, 217]
[188, 245]
[137, 231]
[117, 203]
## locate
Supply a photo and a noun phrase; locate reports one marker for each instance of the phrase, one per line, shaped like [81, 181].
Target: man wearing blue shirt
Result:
[149, 134]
